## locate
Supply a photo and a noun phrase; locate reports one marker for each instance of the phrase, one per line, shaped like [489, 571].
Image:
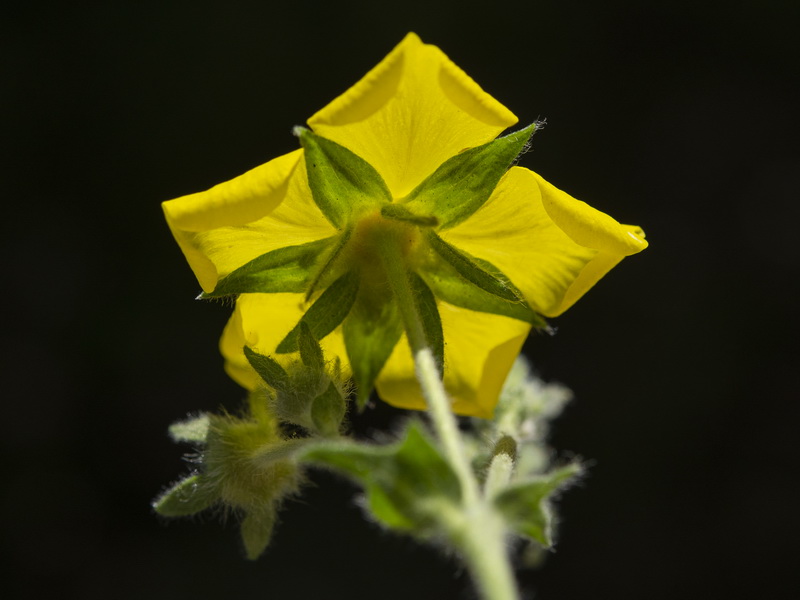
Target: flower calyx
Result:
[344, 282]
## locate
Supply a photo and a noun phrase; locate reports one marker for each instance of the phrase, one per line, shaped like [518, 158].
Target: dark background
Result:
[678, 116]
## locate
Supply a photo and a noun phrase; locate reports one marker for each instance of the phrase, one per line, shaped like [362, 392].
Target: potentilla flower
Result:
[408, 155]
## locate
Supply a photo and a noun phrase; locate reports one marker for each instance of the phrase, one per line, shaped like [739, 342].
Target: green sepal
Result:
[327, 270]
[525, 504]
[449, 286]
[342, 183]
[268, 369]
[408, 484]
[193, 429]
[256, 530]
[327, 411]
[371, 332]
[429, 315]
[472, 270]
[286, 269]
[310, 350]
[401, 212]
[187, 497]
[327, 313]
[463, 183]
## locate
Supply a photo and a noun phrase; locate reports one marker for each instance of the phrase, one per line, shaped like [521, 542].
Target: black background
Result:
[677, 116]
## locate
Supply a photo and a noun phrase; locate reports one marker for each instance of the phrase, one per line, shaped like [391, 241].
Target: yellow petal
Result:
[587, 226]
[552, 247]
[479, 352]
[231, 224]
[410, 113]
[261, 321]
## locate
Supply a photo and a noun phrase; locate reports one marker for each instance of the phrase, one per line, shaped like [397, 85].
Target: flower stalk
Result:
[478, 532]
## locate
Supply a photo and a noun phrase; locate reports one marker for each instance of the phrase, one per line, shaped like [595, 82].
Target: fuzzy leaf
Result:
[407, 483]
[342, 183]
[524, 505]
[462, 184]
[286, 269]
[187, 497]
[370, 334]
[327, 313]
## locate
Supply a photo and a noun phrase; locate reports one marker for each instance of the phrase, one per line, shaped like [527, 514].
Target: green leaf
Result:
[268, 369]
[327, 411]
[525, 505]
[473, 271]
[194, 429]
[187, 497]
[401, 212]
[286, 269]
[256, 530]
[429, 314]
[371, 332]
[327, 313]
[342, 183]
[463, 183]
[408, 484]
[310, 350]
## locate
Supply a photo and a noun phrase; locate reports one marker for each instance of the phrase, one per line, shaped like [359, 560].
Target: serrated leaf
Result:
[286, 269]
[194, 429]
[473, 271]
[342, 183]
[327, 411]
[327, 313]
[463, 183]
[268, 369]
[524, 505]
[187, 497]
[371, 332]
[406, 483]
[310, 350]
[429, 314]
[256, 530]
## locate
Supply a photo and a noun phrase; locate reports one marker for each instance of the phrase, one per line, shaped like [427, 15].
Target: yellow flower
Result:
[540, 248]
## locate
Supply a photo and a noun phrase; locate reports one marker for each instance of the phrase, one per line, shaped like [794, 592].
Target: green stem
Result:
[479, 533]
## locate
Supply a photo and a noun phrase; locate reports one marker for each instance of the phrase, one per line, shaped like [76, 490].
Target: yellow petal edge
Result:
[552, 246]
[241, 200]
[410, 113]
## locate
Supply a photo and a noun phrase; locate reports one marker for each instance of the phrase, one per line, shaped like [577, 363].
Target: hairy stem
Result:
[479, 533]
